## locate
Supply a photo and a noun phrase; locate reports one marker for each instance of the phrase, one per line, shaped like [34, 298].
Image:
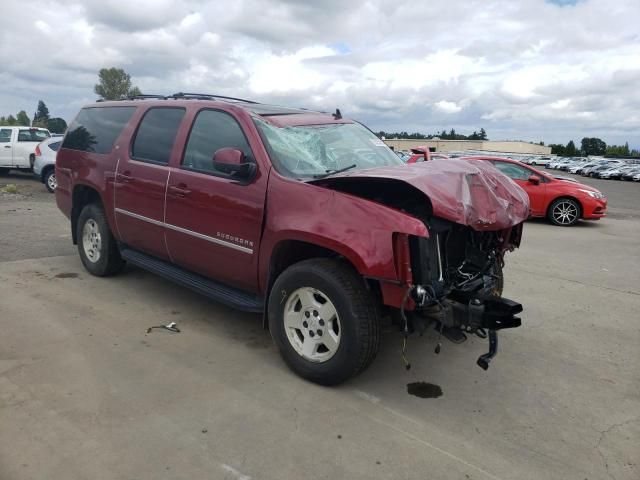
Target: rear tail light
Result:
[38, 152]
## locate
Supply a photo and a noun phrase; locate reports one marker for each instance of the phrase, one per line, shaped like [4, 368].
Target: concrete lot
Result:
[85, 393]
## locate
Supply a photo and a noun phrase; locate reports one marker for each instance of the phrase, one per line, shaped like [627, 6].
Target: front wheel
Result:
[97, 247]
[50, 181]
[564, 212]
[324, 320]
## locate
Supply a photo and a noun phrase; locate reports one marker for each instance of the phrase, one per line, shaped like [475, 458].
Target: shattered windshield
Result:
[318, 150]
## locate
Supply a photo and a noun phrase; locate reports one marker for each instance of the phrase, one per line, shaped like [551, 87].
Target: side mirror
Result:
[233, 162]
[534, 179]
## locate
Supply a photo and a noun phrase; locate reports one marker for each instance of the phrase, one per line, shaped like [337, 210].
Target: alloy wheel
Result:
[91, 240]
[51, 181]
[565, 213]
[312, 325]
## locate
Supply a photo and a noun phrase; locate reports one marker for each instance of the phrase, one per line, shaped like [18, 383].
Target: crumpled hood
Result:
[468, 193]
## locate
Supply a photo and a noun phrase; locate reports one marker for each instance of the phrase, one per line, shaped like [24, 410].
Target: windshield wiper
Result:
[332, 171]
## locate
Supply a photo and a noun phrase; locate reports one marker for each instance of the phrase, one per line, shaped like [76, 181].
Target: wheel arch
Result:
[45, 170]
[289, 252]
[82, 195]
[562, 197]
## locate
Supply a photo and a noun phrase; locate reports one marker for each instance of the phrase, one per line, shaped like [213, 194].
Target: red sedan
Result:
[563, 202]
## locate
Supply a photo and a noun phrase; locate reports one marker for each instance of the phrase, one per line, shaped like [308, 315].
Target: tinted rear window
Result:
[96, 129]
[55, 146]
[156, 134]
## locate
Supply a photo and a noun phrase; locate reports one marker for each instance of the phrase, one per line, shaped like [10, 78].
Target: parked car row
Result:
[17, 146]
[608, 168]
[30, 148]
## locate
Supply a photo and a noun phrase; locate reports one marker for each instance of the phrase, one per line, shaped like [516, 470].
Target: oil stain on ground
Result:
[424, 390]
[67, 275]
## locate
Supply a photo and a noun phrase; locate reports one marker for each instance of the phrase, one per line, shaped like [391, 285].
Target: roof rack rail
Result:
[145, 96]
[206, 96]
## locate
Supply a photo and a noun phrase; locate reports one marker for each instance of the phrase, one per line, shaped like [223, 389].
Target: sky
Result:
[535, 70]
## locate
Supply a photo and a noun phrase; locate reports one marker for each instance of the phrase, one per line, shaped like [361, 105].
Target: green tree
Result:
[570, 149]
[114, 84]
[23, 118]
[56, 125]
[619, 150]
[593, 146]
[11, 120]
[134, 91]
[558, 149]
[483, 134]
[41, 117]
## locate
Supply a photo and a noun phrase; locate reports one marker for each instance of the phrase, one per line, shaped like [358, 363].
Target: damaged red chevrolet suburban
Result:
[303, 216]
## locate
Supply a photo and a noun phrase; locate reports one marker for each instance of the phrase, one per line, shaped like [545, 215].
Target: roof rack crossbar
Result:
[206, 96]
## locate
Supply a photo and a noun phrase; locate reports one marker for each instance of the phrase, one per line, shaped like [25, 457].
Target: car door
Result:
[141, 181]
[25, 145]
[6, 147]
[213, 220]
[521, 175]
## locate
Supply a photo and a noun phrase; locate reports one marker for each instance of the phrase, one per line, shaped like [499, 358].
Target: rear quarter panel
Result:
[74, 167]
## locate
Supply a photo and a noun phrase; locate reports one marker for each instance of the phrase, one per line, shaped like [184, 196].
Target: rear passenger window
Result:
[156, 135]
[211, 131]
[32, 135]
[55, 146]
[5, 135]
[97, 128]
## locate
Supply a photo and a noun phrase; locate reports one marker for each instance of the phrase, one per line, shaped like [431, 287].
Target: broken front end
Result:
[452, 277]
[456, 283]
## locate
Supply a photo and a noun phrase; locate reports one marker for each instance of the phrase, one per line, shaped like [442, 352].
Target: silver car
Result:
[45, 162]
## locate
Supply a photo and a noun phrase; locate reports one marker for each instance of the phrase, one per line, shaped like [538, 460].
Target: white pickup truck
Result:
[18, 145]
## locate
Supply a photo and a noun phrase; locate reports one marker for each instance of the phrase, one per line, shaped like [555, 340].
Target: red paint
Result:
[423, 154]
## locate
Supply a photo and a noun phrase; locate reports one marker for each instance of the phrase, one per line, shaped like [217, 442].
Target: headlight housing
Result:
[592, 194]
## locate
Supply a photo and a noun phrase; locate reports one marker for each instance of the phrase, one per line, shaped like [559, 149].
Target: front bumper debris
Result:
[483, 317]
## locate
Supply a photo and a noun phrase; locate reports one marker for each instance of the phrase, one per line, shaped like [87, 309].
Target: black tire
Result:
[108, 261]
[566, 204]
[49, 180]
[357, 311]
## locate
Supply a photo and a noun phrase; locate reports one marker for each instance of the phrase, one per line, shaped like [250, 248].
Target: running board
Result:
[230, 296]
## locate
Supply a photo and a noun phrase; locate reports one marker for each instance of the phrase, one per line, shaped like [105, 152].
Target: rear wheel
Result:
[97, 247]
[50, 180]
[564, 212]
[324, 320]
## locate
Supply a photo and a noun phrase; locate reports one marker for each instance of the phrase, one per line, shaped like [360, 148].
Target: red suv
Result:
[563, 202]
[303, 216]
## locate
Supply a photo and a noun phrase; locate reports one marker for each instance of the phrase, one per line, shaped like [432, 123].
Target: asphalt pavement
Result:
[87, 393]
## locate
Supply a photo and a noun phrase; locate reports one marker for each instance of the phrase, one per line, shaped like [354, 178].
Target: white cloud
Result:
[528, 69]
[448, 107]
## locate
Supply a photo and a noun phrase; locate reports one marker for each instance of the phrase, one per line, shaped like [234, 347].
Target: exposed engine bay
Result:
[458, 281]
[474, 215]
